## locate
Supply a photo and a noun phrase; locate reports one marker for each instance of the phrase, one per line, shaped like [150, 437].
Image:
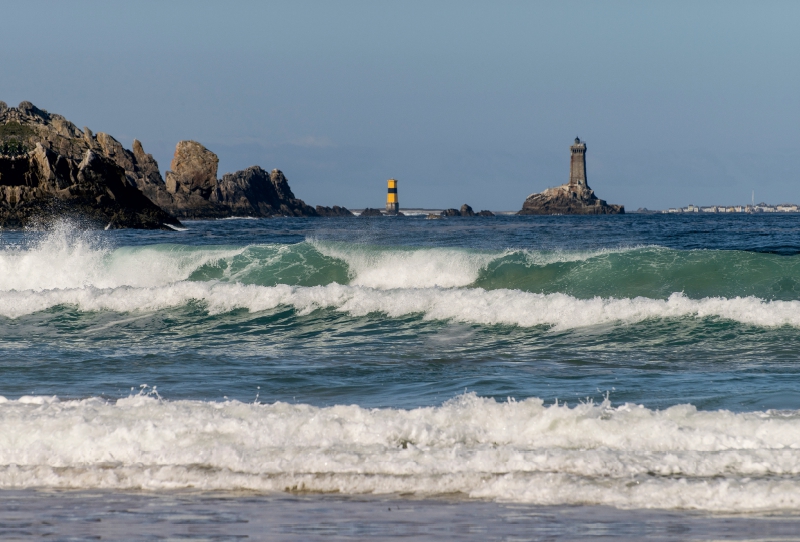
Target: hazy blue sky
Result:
[679, 102]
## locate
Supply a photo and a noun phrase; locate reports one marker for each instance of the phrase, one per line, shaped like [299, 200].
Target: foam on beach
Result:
[526, 451]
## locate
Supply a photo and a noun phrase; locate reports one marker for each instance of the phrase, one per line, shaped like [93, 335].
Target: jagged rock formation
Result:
[465, 210]
[334, 211]
[254, 192]
[573, 198]
[194, 170]
[567, 200]
[562, 200]
[192, 189]
[51, 169]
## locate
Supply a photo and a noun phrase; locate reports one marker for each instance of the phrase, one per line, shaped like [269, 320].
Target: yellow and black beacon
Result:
[392, 204]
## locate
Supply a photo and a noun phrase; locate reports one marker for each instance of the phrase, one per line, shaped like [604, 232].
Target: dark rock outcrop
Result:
[465, 210]
[368, 212]
[568, 200]
[334, 211]
[192, 189]
[50, 169]
[194, 170]
[254, 192]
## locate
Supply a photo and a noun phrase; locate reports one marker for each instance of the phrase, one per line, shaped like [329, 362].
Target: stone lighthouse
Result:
[573, 198]
[577, 165]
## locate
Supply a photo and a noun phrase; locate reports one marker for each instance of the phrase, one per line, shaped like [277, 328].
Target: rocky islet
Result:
[573, 198]
[465, 210]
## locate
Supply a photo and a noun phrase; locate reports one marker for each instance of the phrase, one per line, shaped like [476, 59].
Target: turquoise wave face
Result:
[269, 265]
[651, 272]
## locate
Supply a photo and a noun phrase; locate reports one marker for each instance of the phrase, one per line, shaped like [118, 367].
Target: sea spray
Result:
[65, 258]
[386, 267]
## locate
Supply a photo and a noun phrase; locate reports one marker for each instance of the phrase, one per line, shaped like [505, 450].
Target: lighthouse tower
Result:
[577, 165]
[392, 204]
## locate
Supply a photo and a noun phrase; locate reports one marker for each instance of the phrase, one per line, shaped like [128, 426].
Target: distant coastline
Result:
[757, 208]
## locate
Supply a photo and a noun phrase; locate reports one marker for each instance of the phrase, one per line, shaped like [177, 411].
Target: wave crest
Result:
[475, 305]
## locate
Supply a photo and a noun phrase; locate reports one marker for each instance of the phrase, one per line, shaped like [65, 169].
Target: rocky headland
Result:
[51, 169]
[573, 198]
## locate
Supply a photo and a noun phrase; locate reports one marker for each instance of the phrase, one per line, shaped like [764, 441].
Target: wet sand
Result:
[106, 515]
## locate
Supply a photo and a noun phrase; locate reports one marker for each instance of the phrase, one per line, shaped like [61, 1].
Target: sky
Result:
[463, 102]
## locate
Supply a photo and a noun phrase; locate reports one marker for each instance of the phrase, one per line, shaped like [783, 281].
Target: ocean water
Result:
[612, 364]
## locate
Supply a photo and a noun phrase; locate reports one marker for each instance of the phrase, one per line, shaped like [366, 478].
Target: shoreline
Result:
[135, 515]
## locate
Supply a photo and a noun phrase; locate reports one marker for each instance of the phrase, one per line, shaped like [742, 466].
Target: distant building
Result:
[757, 208]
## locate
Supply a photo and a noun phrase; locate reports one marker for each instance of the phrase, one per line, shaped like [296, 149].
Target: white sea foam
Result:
[67, 259]
[524, 451]
[541, 258]
[409, 268]
[474, 305]
[68, 268]
[386, 268]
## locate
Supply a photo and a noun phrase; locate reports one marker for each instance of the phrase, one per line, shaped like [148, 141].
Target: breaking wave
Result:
[473, 305]
[526, 451]
[559, 289]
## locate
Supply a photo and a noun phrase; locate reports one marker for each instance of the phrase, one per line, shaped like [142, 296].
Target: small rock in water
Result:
[466, 210]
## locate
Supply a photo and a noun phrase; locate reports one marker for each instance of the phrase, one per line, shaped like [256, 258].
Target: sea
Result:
[490, 378]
